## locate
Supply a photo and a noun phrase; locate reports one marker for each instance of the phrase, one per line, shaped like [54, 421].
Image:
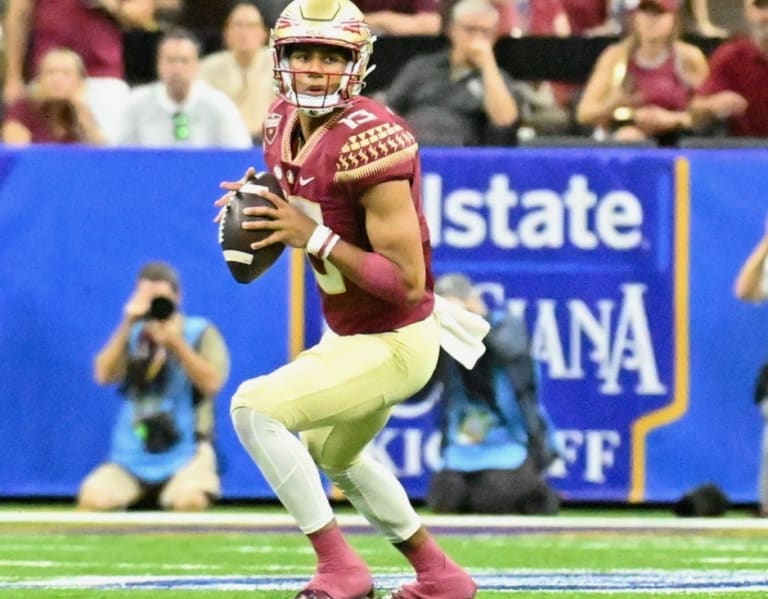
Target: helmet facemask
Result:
[337, 94]
[332, 23]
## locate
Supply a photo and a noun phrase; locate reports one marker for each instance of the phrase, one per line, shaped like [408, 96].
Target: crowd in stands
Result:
[209, 81]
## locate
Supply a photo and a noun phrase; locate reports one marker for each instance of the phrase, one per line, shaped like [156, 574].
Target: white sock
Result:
[287, 466]
[377, 494]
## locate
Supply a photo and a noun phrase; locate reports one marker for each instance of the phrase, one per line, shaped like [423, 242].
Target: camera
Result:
[160, 308]
[158, 431]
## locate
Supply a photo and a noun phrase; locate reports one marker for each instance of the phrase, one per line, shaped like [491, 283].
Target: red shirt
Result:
[741, 66]
[534, 17]
[585, 14]
[660, 86]
[360, 146]
[88, 31]
[39, 118]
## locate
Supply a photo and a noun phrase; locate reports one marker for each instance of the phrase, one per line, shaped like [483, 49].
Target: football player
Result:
[351, 173]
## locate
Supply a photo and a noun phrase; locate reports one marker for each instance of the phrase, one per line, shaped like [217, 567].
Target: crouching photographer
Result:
[168, 366]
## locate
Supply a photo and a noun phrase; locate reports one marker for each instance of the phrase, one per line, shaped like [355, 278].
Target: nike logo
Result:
[307, 181]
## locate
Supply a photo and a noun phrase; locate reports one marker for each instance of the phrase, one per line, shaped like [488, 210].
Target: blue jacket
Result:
[177, 400]
[483, 424]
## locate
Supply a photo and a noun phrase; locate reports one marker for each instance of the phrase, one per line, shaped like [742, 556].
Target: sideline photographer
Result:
[169, 367]
[497, 439]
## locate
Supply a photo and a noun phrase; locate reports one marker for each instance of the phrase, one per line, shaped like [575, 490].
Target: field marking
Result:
[639, 581]
[447, 522]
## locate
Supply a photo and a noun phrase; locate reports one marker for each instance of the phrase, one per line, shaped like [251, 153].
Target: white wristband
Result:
[321, 242]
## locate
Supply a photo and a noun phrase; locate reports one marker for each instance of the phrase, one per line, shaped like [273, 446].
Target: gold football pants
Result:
[339, 393]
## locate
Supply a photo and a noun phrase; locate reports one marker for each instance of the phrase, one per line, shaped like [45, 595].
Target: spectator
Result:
[203, 18]
[640, 87]
[459, 96]
[402, 17]
[169, 366]
[733, 93]
[54, 108]
[92, 29]
[592, 18]
[519, 18]
[244, 70]
[496, 438]
[752, 286]
[179, 109]
[545, 106]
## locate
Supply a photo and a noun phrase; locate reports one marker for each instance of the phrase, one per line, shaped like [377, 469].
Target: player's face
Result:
[317, 70]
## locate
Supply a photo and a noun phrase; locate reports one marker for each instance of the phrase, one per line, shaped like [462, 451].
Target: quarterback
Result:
[351, 176]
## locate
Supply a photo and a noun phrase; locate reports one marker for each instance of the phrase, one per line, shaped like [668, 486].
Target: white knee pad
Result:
[378, 495]
[287, 466]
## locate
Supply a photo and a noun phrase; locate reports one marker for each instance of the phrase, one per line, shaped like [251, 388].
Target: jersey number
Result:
[357, 118]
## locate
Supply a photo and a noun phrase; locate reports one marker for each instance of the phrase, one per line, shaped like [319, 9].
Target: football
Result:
[246, 264]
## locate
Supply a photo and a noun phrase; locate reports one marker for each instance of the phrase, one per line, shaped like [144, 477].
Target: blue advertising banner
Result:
[718, 438]
[621, 260]
[583, 246]
[76, 225]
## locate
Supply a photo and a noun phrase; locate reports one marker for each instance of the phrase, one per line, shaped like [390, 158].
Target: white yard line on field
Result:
[543, 581]
[267, 520]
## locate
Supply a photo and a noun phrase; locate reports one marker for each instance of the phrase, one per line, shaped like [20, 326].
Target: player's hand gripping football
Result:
[288, 224]
[231, 187]
[291, 226]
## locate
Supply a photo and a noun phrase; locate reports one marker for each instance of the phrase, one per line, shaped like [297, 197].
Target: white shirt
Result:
[213, 119]
[251, 88]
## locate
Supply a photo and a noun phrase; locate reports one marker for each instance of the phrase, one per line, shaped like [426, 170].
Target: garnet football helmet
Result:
[337, 23]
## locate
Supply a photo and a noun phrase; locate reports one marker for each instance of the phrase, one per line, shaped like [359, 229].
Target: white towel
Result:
[461, 332]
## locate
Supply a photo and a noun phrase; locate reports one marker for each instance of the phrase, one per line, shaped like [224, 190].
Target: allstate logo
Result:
[537, 219]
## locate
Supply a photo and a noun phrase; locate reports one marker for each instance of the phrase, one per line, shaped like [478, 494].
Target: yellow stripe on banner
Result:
[673, 411]
[296, 300]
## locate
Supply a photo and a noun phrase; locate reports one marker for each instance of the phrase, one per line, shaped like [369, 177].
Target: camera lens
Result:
[161, 308]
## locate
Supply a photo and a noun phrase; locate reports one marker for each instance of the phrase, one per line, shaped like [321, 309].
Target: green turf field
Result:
[256, 554]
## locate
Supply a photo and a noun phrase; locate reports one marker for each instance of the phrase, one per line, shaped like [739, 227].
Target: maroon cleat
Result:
[353, 582]
[456, 585]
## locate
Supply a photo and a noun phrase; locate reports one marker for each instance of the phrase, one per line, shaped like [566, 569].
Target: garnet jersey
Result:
[662, 85]
[359, 146]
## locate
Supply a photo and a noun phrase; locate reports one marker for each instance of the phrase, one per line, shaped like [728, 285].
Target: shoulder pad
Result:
[374, 150]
